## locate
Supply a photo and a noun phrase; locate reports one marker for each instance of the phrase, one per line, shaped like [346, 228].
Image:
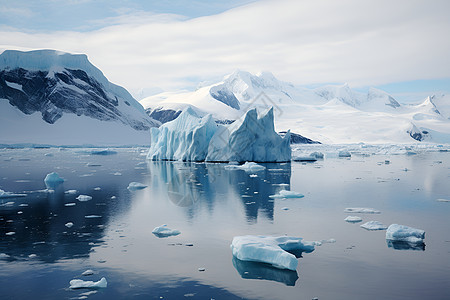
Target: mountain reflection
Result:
[197, 184]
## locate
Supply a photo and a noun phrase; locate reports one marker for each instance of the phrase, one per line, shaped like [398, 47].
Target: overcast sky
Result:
[401, 46]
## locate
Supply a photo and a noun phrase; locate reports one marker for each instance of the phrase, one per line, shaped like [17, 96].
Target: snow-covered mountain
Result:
[51, 97]
[329, 114]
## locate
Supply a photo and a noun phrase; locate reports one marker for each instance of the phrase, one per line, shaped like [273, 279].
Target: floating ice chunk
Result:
[253, 175]
[68, 224]
[32, 256]
[361, 210]
[287, 194]
[103, 152]
[276, 251]
[133, 186]
[87, 273]
[317, 155]
[70, 204]
[97, 188]
[443, 200]
[374, 225]
[201, 269]
[402, 233]
[117, 174]
[48, 154]
[163, 231]
[10, 233]
[4, 256]
[81, 284]
[247, 166]
[71, 192]
[93, 165]
[92, 217]
[4, 194]
[344, 153]
[353, 219]
[53, 179]
[84, 198]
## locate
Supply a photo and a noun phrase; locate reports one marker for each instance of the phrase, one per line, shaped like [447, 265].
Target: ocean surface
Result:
[112, 233]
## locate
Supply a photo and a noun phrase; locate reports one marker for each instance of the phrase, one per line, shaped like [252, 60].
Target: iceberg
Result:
[287, 194]
[247, 167]
[402, 233]
[52, 180]
[189, 137]
[164, 231]
[81, 284]
[280, 252]
[353, 219]
[83, 198]
[374, 225]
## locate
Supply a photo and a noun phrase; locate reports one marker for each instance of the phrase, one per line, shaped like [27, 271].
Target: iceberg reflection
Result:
[400, 245]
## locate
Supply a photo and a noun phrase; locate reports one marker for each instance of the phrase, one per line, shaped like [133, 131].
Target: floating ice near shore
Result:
[374, 225]
[287, 194]
[247, 166]
[402, 233]
[276, 251]
[84, 198]
[81, 284]
[164, 231]
[353, 219]
[52, 180]
[133, 186]
[4, 194]
[192, 138]
[361, 210]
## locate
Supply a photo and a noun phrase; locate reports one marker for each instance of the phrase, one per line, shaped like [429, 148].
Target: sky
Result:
[399, 46]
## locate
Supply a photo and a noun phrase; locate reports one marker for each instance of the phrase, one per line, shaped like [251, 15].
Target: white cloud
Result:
[304, 42]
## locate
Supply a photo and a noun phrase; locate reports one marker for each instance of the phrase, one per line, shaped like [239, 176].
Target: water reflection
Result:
[405, 245]
[187, 184]
[261, 271]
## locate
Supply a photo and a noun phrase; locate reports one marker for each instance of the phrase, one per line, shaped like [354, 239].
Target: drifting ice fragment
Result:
[163, 231]
[92, 217]
[81, 284]
[344, 153]
[84, 198]
[287, 194]
[103, 152]
[68, 224]
[353, 219]
[361, 210]
[52, 180]
[4, 194]
[402, 233]
[87, 273]
[133, 186]
[276, 251]
[247, 167]
[443, 200]
[374, 225]
[71, 192]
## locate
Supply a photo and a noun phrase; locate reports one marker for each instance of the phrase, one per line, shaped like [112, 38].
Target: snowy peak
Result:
[379, 100]
[53, 84]
[342, 93]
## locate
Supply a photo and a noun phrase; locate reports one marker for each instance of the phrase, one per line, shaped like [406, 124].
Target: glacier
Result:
[190, 137]
[279, 252]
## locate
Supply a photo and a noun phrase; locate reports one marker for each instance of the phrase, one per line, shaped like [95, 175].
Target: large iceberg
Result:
[280, 252]
[193, 138]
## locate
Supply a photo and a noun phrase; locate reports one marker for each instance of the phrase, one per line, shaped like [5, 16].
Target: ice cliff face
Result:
[192, 138]
[54, 84]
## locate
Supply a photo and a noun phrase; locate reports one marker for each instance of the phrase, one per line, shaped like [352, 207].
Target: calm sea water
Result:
[210, 205]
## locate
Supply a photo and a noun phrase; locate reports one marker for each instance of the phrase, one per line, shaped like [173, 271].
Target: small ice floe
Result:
[253, 175]
[4, 194]
[84, 198]
[68, 224]
[443, 200]
[23, 205]
[353, 219]
[20, 212]
[374, 225]
[87, 273]
[317, 155]
[201, 269]
[93, 165]
[103, 152]
[97, 188]
[344, 153]
[71, 192]
[287, 194]
[117, 174]
[247, 167]
[32, 256]
[113, 197]
[10, 233]
[280, 252]
[402, 233]
[92, 217]
[52, 180]
[4, 256]
[81, 284]
[361, 210]
[70, 204]
[134, 186]
[163, 231]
